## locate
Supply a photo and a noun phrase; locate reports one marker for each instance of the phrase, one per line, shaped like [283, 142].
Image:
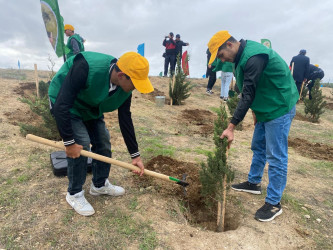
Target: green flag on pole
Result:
[267, 43]
[54, 25]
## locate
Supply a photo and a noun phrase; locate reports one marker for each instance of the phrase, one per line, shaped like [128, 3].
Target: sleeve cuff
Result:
[70, 142]
[134, 155]
[234, 121]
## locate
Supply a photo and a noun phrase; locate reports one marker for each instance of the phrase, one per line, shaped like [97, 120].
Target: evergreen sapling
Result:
[316, 106]
[178, 89]
[212, 173]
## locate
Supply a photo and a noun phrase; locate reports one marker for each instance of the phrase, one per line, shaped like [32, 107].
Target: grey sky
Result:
[115, 27]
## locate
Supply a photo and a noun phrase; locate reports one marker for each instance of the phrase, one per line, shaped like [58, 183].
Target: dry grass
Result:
[35, 215]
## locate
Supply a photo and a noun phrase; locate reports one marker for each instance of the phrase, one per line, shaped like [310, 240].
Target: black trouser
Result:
[212, 78]
[317, 77]
[169, 59]
[299, 86]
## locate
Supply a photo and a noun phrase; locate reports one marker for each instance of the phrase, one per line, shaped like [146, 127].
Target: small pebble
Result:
[307, 216]
[305, 209]
[318, 220]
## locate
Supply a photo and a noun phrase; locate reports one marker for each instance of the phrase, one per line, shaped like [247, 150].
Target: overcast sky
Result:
[114, 27]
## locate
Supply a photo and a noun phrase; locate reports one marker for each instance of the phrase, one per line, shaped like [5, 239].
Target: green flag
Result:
[267, 43]
[54, 25]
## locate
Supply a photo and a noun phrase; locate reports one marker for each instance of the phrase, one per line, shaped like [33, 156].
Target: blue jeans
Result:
[270, 143]
[226, 78]
[95, 133]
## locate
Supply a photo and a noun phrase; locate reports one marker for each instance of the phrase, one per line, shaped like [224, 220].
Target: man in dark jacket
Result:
[210, 74]
[179, 47]
[314, 73]
[300, 68]
[170, 54]
[86, 86]
[268, 88]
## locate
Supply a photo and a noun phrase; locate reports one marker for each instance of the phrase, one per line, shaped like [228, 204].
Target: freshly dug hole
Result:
[196, 212]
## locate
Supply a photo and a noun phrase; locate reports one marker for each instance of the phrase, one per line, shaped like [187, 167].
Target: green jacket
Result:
[222, 66]
[94, 100]
[69, 45]
[276, 92]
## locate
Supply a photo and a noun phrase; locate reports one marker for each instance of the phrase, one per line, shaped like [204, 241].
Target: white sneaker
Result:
[108, 189]
[80, 204]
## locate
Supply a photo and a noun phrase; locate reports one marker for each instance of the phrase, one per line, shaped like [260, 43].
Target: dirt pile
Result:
[203, 121]
[311, 150]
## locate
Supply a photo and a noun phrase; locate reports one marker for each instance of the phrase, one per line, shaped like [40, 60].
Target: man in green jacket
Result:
[86, 86]
[74, 42]
[269, 90]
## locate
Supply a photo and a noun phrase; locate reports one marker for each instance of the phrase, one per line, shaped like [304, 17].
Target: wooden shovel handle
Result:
[99, 157]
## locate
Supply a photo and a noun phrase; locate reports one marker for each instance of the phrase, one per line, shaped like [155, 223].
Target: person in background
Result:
[268, 88]
[179, 48]
[314, 73]
[170, 54]
[74, 42]
[226, 77]
[210, 74]
[300, 69]
[87, 86]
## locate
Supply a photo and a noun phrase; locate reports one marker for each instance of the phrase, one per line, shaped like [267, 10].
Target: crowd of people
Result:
[89, 84]
[173, 48]
[304, 73]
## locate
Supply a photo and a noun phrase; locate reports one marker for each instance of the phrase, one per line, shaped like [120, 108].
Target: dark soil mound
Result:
[202, 119]
[311, 150]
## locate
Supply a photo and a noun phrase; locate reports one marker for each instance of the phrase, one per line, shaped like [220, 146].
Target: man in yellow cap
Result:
[268, 88]
[86, 86]
[314, 73]
[74, 43]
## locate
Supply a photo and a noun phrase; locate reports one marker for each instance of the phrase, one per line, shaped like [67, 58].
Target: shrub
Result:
[178, 89]
[41, 107]
[212, 173]
[316, 106]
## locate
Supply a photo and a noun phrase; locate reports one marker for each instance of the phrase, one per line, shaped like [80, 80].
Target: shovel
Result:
[107, 160]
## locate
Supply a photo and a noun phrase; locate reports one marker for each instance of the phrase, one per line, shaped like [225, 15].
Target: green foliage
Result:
[43, 89]
[212, 173]
[232, 105]
[304, 93]
[47, 129]
[316, 106]
[179, 90]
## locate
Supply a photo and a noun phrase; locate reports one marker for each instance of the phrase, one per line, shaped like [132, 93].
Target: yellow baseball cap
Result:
[137, 68]
[317, 65]
[215, 42]
[69, 27]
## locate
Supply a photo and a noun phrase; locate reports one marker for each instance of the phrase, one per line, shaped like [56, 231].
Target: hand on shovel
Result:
[137, 162]
[73, 151]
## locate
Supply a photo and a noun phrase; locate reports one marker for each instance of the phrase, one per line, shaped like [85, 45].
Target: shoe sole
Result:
[81, 213]
[98, 194]
[247, 191]
[270, 219]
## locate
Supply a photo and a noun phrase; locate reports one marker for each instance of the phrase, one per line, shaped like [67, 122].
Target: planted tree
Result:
[179, 88]
[41, 106]
[315, 107]
[216, 174]
[232, 105]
